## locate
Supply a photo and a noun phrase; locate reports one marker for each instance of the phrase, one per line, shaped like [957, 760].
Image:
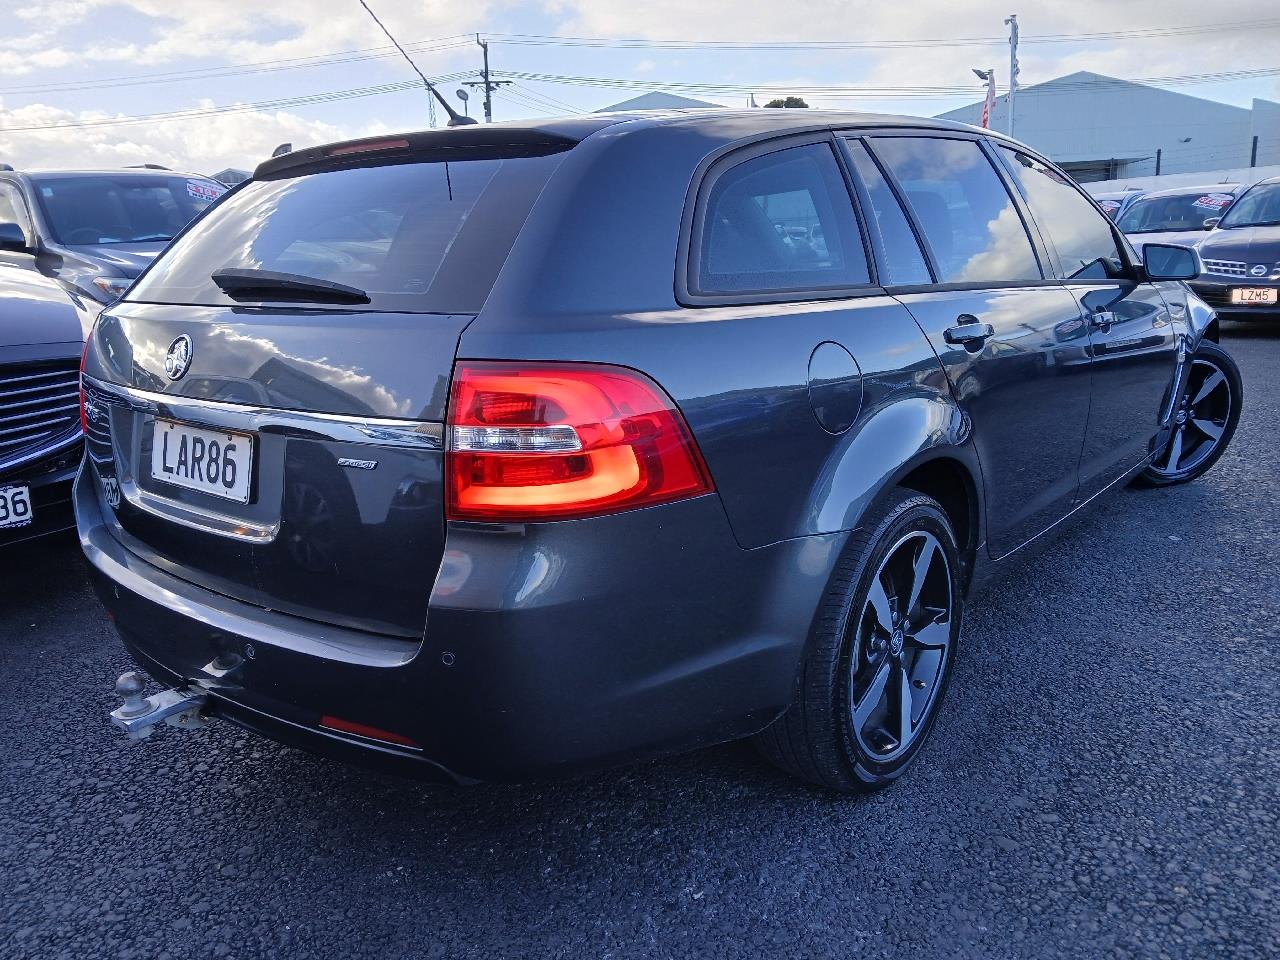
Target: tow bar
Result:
[138, 715]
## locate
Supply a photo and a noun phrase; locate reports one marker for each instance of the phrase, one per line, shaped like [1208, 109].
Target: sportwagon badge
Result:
[178, 359]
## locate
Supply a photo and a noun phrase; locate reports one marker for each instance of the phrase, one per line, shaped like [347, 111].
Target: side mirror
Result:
[1211, 222]
[12, 237]
[1168, 261]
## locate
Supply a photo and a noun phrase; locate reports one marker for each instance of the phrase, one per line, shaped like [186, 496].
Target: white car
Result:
[1182, 215]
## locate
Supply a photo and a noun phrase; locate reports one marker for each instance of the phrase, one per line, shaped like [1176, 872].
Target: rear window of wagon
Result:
[421, 237]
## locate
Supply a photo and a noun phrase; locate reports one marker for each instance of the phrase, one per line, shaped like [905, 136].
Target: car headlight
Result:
[113, 287]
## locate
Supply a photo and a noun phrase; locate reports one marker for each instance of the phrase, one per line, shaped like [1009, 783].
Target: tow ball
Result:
[138, 715]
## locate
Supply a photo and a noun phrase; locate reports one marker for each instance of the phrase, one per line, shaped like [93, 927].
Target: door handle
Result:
[970, 334]
[1102, 318]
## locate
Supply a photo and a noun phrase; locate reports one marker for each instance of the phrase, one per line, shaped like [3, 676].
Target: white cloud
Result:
[237, 31]
[202, 144]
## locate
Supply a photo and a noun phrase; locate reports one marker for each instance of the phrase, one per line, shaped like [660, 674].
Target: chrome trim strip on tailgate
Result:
[197, 518]
[381, 431]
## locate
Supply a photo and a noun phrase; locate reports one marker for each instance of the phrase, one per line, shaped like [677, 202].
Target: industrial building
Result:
[1102, 128]
[656, 100]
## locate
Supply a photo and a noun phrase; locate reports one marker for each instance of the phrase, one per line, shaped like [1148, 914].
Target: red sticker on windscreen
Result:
[1213, 201]
[202, 190]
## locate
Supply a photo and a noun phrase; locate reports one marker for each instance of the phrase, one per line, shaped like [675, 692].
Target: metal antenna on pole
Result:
[455, 119]
[1012, 23]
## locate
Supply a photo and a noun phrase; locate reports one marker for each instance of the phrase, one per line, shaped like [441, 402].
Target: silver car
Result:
[1182, 215]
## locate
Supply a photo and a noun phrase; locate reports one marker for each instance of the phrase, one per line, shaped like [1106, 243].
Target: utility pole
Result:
[1159, 152]
[489, 85]
[1012, 23]
[1253, 152]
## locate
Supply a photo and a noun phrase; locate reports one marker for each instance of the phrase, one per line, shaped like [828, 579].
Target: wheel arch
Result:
[948, 479]
[898, 440]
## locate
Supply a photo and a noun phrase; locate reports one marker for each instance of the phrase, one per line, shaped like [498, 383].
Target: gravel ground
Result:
[1102, 783]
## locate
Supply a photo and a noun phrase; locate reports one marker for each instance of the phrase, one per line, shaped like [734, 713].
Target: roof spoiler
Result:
[450, 143]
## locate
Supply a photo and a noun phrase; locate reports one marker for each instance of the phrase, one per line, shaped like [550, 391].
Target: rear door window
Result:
[901, 260]
[779, 223]
[968, 219]
[1083, 237]
[424, 237]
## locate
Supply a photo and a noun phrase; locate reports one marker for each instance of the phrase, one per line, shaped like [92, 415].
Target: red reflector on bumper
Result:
[372, 733]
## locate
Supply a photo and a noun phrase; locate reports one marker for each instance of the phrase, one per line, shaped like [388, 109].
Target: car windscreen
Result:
[1184, 211]
[425, 237]
[1261, 205]
[121, 208]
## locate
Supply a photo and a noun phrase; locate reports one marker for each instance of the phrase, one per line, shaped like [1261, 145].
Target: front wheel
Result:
[880, 656]
[1205, 419]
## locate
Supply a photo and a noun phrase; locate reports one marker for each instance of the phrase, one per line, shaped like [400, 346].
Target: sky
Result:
[234, 78]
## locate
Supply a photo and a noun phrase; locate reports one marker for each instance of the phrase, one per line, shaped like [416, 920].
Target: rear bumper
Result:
[549, 648]
[50, 484]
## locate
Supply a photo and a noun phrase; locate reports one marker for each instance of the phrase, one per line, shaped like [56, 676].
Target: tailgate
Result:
[335, 416]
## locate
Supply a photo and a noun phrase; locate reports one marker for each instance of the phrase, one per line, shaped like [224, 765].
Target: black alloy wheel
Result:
[1204, 419]
[901, 646]
[883, 643]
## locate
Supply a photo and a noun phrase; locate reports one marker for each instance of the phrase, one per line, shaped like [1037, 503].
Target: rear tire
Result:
[878, 662]
[1205, 417]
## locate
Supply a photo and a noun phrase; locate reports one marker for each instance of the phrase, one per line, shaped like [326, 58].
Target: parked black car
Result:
[1241, 277]
[42, 331]
[95, 230]
[503, 451]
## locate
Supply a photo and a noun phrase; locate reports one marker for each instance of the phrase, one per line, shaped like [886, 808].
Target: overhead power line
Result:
[454, 41]
[831, 92]
[533, 39]
[238, 70]
[887, 92]
[199, 112]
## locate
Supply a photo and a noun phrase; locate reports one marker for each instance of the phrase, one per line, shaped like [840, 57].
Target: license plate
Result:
[1254, 294]
[216, 462]
[15, 507]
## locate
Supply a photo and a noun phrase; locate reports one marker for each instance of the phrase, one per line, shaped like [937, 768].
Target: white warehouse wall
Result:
[1087, 116]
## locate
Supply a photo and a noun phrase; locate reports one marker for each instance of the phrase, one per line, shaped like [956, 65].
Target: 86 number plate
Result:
[216, 462]
[15, 507]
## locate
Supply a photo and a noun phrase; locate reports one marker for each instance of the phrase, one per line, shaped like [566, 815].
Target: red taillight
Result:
[84, 407]
[552, 441]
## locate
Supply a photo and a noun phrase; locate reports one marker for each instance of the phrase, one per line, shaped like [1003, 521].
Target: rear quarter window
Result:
[423, 237]
[778, 223]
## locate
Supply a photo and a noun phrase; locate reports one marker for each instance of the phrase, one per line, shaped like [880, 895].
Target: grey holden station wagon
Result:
[506, 451]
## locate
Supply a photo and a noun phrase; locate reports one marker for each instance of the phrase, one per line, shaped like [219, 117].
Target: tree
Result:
[787, 102]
